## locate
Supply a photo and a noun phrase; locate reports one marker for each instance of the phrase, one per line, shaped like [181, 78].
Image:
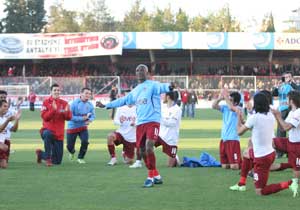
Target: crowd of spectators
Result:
[204, 82]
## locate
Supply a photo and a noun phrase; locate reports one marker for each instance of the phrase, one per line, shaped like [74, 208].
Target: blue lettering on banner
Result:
[217, 40]
[129, 40]
[263, 41]
[171, 40]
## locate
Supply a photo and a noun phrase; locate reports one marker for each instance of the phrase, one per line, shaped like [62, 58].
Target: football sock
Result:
[111, 150]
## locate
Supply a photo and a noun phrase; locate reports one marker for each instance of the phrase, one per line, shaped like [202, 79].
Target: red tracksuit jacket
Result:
[54, 120]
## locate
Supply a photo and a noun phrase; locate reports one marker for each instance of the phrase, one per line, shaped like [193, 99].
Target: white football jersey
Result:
[262, 126]
[124, 117]
[6, 133]
[169, 124]
[294, 119]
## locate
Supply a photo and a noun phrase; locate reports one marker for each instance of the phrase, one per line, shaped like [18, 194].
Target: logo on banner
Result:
[217, 40]
[171, 40]
[263, 40]
[11, 45]
[109, 42]
[288, 41]
[129, 40]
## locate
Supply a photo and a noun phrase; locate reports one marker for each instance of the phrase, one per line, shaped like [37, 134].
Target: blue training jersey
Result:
[283, 91]
[79, 109]
[146, 97]
[229, 127]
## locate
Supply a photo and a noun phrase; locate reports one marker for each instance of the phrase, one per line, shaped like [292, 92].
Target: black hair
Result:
[53, 86]
[261, 103]
[288, 72]
[236, 97]
[268, 94]
[3, 92]
[295, 96]
[2, 102]
[85, 88]
[173, 95]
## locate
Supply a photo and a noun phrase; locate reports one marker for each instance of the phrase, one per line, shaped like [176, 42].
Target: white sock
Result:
[295, 180]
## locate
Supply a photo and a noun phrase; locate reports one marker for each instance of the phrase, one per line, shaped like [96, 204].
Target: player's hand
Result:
[67, 108]
[54, 106]
[99, 104]
[276, 113]
[18, 114]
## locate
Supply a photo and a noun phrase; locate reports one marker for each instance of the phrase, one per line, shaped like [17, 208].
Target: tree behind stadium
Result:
[23, 16]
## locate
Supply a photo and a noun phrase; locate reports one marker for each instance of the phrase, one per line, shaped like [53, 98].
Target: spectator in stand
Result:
[31, 99]
[185, 102]
[10, 71]
[193, 100]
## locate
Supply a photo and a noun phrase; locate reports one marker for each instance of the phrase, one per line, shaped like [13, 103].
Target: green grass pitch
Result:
[28, 186]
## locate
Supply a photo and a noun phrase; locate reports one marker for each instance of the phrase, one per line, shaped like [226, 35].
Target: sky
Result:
[250, 13]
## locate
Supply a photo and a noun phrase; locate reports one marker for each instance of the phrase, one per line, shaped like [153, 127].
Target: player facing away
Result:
[146, 97]
[169, 128]
[230, 151]
[54, 113]
[292, 124]
[6, 127]
[83, 113]
[125, 117]
[262, 124]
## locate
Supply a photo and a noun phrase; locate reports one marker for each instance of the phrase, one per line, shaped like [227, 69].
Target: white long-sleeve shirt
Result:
[124, 117]
[169, 124]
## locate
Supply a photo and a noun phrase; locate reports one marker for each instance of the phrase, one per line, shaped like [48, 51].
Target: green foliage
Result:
[62, 20]
[268, 23]
[23, 16]
[96, 17]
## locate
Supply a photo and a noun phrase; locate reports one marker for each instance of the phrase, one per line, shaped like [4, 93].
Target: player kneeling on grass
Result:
[169, 128]
[262, 125]
[83, 113]
[6, 126]
[126, 134]
[292, 124]
[230, 150]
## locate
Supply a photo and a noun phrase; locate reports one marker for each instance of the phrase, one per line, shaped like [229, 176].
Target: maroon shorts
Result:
[251, 153]
[128, 147]
[262, 169]
[230, 152]
[170, 150]
[294, 155]
[4, 155]
[146, 131]
[280, 144]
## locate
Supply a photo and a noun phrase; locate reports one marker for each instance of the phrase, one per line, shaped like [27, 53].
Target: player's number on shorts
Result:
[297, 161]
[173, 151]
[156, 131]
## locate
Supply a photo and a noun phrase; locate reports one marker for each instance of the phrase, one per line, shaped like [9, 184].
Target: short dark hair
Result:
[85, 88]
[236, 97]
[261, 103]
[269, 96]
[2, 102]
[53, 86]
[288, 72]
[3, 92]
[173, 95]
[295, 96]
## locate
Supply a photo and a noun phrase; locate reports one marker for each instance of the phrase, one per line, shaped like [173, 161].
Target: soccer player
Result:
[146, 97]
[83, 113]
[169, 128]
[6, 127]
[54, 113]
[126, 134]
[292, 124]
[230, 151]
[262, 123]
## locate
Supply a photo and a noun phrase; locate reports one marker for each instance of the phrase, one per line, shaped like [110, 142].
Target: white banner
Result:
[60, 45]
